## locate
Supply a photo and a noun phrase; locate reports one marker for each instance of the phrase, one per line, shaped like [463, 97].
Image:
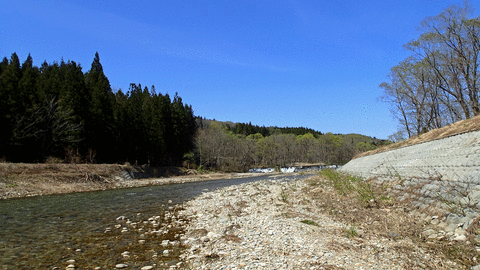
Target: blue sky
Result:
[292, 63]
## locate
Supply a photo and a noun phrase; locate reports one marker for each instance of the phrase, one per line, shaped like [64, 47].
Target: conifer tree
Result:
[27, 85]
[99, 123]
[9, 99]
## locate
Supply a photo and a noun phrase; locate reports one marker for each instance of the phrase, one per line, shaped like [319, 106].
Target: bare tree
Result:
[438, 83]
[47, 125]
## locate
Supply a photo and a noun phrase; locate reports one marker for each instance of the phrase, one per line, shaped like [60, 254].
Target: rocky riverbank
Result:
[301, 224]
[19, 180]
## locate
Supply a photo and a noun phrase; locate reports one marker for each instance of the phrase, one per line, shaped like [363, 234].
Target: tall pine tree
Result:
[99, 123]
[10, 102]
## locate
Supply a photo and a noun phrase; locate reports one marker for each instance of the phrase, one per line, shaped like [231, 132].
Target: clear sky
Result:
[316, 64]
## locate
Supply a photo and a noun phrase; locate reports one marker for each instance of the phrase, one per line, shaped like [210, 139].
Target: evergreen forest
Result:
[56, 110]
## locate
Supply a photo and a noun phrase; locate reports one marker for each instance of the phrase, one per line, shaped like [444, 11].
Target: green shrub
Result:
[346, 184]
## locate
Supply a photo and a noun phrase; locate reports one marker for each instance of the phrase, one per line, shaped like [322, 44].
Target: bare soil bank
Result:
[26, 180]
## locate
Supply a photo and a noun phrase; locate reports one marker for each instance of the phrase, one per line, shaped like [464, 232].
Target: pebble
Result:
[121, 266]
[428, 232]
[247, 227]
[149, 267]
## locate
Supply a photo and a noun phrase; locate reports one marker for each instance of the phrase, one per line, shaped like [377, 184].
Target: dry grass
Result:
[384, 217]
[26, 179]
[464, 126]
[21, 179]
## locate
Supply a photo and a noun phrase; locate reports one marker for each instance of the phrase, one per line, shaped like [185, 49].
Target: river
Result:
[46, 232]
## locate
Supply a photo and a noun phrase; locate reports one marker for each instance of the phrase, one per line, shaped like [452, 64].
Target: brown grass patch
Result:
[28, 179]
[385, 219]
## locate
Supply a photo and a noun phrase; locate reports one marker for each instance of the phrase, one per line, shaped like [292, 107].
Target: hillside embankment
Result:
[438, 178]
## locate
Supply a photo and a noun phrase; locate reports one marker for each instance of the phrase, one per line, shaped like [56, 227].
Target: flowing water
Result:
[46, 232]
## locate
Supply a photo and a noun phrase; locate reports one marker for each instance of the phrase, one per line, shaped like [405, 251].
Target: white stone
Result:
[428, 232]
[121, 266]
[460, 231]
[212, 235]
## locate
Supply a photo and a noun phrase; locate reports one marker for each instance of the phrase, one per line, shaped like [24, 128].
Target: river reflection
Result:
[45, 232]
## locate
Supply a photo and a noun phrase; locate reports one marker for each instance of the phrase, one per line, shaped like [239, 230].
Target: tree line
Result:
[218, 146]
[56, 110]
[249, 129]
[438, 83]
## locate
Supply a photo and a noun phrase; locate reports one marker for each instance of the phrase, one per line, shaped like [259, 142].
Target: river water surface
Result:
[45, 232]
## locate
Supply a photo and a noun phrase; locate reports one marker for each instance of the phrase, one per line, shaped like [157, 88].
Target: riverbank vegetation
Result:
[438, 83]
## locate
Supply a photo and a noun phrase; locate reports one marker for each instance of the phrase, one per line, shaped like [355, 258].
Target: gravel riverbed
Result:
[272, 224]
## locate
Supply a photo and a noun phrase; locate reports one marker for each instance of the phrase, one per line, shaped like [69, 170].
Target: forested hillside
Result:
[56, 110]
[229, 146]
